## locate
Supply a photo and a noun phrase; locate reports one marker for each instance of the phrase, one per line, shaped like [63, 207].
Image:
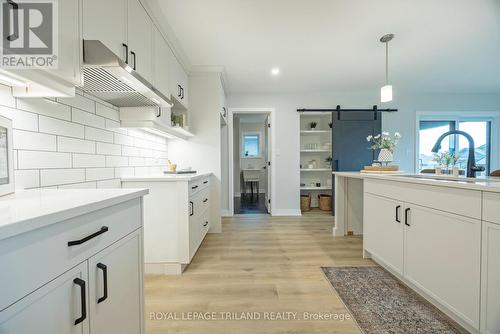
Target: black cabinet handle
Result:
[126, 52]
[206, 223]
[205, 200]
[103, 229]
[180, 89]
[15, 7]
[81, 284]
[158, 112]
[191, 205]
[104, 269]
[397, 213]
[133, 54]
[182, 93]
[194, 187]
[205, 182]
[407, 210]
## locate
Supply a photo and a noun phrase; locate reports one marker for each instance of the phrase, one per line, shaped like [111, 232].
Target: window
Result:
[250, 145]
[480, 130]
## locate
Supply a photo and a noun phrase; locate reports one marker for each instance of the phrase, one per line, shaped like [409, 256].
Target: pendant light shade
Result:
[386, 91]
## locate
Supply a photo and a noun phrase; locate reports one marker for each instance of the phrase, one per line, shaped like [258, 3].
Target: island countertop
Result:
[490, 184]
[165, 177]
[28, 210]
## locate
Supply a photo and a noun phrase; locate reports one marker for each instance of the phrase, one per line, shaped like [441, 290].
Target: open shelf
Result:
[315, 170]
[305, 132]
[314, 151]
[316, 188]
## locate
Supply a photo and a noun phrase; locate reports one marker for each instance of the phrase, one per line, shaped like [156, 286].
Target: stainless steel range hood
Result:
[108, 77]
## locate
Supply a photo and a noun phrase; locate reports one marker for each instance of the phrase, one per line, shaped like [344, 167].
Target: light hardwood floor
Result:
[258, 264]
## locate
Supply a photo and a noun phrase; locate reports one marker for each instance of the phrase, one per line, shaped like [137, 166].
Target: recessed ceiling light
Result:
[275, 71]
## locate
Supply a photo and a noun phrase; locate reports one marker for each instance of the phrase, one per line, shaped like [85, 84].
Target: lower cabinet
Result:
[490, 279]
[442, 258]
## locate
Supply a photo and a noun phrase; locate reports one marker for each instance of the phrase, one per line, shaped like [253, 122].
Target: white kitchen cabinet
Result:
[161, 56]
[442, 257]
[490, 278]
[139, 30]
[115, 297]
[53, 308]
[384, 230]
[106, 21]
[178, 84]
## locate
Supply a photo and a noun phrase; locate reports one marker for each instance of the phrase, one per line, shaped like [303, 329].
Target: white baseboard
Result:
[225, 213]
[164, 268]
[287, 212]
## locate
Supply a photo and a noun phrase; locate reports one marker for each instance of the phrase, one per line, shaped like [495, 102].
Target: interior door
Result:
[268, 163]
[53, 308]
[114, 293]
[383, 230]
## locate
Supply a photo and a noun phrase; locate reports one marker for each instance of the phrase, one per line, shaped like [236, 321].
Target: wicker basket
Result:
[305, 202]
[325, 202]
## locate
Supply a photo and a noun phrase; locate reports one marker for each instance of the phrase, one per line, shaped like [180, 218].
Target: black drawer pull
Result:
[206, 223]
[397, 213]
[406, 216]
[191, 206]
[103, 229]
[205, 200]
[81, 284]
[205, 182]
[104, 269]
[194, 187]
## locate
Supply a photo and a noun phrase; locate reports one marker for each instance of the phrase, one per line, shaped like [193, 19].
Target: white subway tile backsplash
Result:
[107, 112]
[94, 174]
[54, 177]
[88, 160]
[28, 140]
[109, 149]
[67, 144]
[45, 107]
[20, 119]
[79, 102]
[115, 161]
[40, 159]
[62, 128]
[98, 135]
[76, 143]
[25, 179]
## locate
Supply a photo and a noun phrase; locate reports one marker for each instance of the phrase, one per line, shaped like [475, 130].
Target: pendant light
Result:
[386, 91]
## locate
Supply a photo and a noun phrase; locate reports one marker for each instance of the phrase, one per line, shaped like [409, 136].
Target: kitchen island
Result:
[439, 235]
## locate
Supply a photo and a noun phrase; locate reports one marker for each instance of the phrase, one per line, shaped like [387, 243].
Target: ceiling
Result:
[333, 45]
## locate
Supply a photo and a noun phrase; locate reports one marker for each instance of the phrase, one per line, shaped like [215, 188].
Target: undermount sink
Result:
[450, 178]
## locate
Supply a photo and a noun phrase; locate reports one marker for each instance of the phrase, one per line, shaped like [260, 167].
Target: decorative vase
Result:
[385, 156]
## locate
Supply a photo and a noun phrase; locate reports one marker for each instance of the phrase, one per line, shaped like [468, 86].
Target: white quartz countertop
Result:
[491, 184]
[165, 177]
[27, 210]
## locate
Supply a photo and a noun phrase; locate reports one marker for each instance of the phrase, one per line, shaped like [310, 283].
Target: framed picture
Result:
[6, 157]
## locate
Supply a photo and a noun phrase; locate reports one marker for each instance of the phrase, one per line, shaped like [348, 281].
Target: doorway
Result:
[250, 167]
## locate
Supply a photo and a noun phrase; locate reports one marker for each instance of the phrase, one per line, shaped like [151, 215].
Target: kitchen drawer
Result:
[491, 207]
[205, 225]
[462, 202]
[198, 184]
[30, 260]
[204, 199]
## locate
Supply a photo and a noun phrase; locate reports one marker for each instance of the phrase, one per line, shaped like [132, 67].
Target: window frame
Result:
[242, 149]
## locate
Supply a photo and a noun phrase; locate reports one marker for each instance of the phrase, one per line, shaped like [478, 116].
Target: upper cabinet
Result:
[161, 58]
[140, 45]
[178, 83]
[106, 21]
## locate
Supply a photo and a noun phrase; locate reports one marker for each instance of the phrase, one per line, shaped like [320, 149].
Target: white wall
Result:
[287, 138]
[76, 143]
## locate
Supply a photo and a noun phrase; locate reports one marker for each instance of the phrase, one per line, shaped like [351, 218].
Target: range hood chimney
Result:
[108, 77]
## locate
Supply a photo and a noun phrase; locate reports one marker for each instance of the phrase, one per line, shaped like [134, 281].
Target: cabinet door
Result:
[161, 56]
[490, 276]
[52, 309]
[115, 289]
[106, 21]
[139, 28]
[179, 82]
[383, 230]
[442, 258]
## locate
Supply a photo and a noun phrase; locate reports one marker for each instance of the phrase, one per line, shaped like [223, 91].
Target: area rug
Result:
[380, 303]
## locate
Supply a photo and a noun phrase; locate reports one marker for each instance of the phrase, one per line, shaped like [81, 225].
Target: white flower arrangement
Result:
[384, 141]
[446, 159]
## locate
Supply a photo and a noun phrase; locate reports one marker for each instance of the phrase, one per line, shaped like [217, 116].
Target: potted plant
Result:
[313, 125]
[448, 161]
[386, 143]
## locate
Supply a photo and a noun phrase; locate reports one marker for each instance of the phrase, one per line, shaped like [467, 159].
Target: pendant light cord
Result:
[386, 63]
